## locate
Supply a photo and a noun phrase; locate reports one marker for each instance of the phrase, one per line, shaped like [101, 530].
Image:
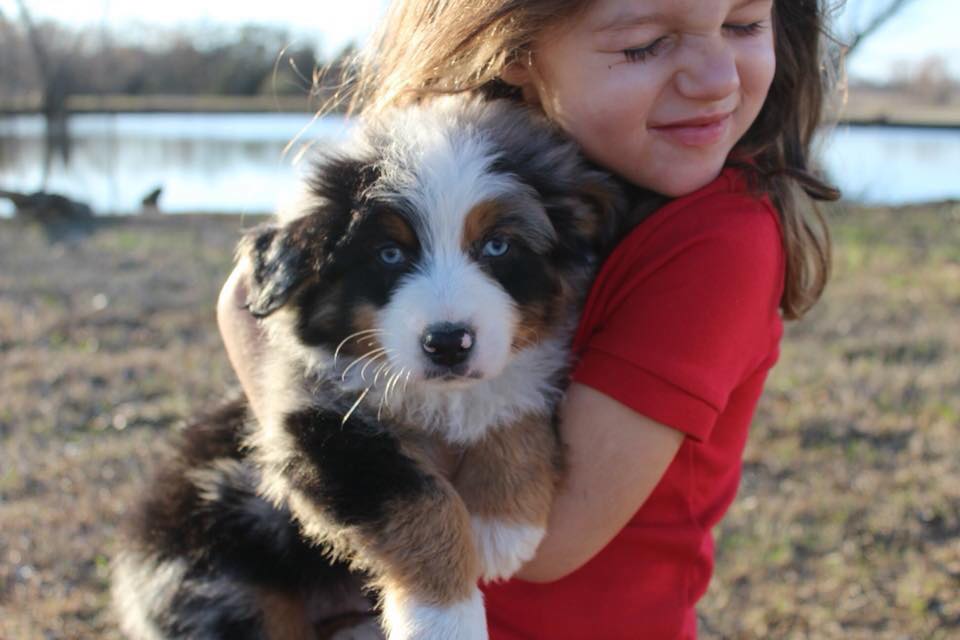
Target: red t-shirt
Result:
[681, 325]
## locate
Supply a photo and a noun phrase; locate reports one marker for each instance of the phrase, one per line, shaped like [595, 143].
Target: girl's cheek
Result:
[759, 63]
[629, 86]
[612, 105]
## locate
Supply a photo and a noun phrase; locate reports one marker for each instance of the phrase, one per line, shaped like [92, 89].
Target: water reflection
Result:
[205, 162]
[236, 162]
[881, 165]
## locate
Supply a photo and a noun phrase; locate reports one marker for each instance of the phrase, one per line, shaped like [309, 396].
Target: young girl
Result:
[712, 103]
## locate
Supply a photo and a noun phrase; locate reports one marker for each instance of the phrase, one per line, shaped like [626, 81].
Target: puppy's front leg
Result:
[429, 583]
[379, 500]
[508, 480]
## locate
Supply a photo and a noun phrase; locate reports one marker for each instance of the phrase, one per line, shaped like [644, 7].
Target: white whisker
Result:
[348, 338]
[363, 369]
[380, 404]
[358, 361]
[406, 379]
[384, 369]
[355, 405]
[391, 384]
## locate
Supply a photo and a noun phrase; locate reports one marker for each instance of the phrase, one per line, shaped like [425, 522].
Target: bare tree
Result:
[55, 82]
[863, 18]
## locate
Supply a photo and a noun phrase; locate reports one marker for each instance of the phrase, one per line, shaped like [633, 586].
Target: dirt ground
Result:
[847, 524]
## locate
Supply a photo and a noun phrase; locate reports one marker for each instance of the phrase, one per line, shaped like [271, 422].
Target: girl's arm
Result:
[615, 456]
[241, 335]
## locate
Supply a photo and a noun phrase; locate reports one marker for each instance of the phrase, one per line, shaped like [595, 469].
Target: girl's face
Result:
[658, 91]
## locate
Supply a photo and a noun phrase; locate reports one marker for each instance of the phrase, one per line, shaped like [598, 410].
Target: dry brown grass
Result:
[107, 339]
[847, 524]
[913, 107]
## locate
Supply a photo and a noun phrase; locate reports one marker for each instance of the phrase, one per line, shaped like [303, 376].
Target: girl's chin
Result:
[674, 184]
[669, 170]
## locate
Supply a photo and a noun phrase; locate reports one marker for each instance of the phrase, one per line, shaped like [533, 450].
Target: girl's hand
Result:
[241, 335]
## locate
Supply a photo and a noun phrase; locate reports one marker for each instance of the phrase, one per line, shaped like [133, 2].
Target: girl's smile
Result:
[658, 91]
[696, 132]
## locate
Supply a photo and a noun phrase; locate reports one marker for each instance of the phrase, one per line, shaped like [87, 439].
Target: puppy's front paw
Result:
[503, 547]
[407, 619]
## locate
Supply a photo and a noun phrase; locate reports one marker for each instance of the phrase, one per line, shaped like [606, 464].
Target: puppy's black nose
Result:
[447, 344]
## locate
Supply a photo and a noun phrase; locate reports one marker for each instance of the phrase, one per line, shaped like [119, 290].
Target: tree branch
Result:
[892, 9]
[36, 44]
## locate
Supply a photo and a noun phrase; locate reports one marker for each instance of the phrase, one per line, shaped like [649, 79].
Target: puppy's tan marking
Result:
[478, 223]
[536, 323]
[398, 229]
[362, 322]
[427, 549]
[284, 616]
[511, 475]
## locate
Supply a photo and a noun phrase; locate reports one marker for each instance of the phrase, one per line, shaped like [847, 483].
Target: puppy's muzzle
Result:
[446, 344]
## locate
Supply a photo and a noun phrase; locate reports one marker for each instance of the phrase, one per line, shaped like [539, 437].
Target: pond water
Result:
[238, 162]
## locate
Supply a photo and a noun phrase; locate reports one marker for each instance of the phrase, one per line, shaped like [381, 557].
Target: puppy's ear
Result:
[601, 209]
[586, 213]
[285, 257]
[278, 267]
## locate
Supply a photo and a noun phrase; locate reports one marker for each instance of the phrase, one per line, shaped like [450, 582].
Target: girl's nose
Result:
[709, 71]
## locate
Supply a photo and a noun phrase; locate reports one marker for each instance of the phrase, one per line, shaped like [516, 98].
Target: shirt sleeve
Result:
[694, 311]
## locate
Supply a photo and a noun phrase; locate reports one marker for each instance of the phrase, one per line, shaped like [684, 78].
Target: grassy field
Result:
[847, 524]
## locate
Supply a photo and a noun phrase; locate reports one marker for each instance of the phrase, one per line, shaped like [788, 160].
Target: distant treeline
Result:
[245, 61]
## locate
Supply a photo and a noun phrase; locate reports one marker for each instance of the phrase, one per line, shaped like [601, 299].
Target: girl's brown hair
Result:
[429, 47]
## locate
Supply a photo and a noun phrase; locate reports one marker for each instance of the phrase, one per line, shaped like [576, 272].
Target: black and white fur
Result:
[419, 303]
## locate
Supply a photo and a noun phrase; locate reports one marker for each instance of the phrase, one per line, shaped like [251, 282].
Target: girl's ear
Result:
[517, 72]
[521, 73]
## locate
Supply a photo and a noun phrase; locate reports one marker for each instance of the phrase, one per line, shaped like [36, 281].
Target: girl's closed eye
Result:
[748, 29]
[641, 54]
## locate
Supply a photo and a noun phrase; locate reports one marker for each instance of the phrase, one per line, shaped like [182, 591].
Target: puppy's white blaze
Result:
[441, 171]
[438, 167]
[504, 546]
[406, 619]
[449, 289]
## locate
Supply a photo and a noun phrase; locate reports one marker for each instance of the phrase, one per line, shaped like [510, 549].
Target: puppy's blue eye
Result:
[495, 248]
[392, 255]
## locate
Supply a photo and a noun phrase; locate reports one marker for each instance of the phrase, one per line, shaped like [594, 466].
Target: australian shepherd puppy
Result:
[419, 305]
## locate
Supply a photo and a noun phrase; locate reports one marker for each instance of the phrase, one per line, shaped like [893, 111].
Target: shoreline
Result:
[243, 219]
[869, 111]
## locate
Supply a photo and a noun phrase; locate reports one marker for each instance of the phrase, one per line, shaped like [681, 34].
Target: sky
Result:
[925, 28]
